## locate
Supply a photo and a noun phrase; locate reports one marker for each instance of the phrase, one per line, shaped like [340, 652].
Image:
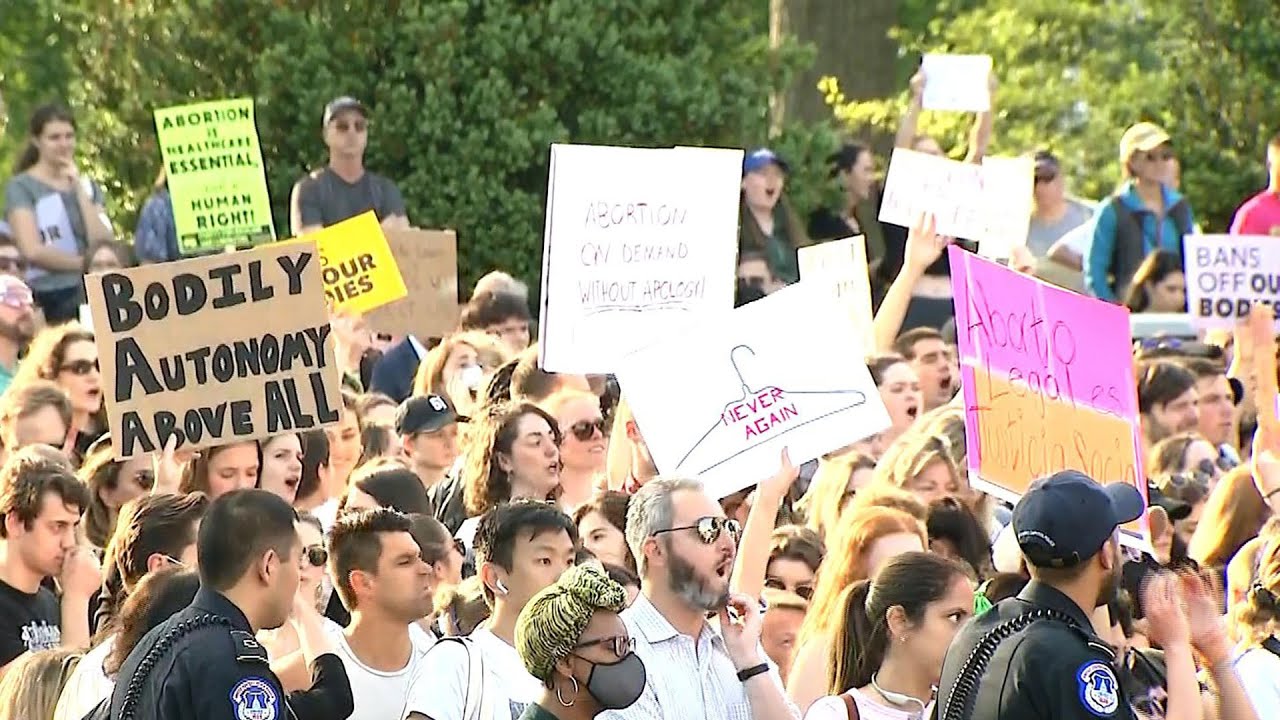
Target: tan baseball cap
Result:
[1143, 137]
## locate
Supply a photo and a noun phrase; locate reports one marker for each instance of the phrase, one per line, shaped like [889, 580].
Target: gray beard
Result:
[684, 582]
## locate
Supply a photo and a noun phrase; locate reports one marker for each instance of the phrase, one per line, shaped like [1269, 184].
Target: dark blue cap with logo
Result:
[1066, 518]
[761, 157]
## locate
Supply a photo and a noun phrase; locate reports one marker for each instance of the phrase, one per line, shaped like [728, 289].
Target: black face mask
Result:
[617, 685]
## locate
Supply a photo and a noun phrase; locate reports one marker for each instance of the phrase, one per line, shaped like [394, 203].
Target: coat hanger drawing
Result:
[794, 408]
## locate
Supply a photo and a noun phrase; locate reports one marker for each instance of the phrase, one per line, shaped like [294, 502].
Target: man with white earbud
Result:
[521, 547]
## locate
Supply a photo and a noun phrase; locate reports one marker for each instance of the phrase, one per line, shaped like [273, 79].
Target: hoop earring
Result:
[560, 697]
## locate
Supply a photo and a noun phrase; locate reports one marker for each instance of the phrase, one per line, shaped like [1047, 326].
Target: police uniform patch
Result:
[255, 699]
[1099, 691]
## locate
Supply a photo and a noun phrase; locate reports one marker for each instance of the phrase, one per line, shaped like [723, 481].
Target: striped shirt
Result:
[687, 679]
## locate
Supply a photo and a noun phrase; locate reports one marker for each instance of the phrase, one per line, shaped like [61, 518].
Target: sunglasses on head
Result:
[316, 555]
[709, 529]
[17, 300]
[584, 430]
[358, 125]
[80, 367]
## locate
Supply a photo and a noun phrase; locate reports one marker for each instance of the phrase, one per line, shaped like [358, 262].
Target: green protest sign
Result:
[216, 179]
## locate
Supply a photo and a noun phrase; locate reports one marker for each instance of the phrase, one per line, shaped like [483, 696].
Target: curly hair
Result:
[484, 483]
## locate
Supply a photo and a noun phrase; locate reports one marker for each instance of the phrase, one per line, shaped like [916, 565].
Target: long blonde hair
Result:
[828, 493]
[430, 380]
[1233, 513]
[1259, 616]
[32, 684]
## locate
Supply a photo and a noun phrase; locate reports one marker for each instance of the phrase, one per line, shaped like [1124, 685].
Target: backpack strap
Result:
[475, 705]
[1272, 645]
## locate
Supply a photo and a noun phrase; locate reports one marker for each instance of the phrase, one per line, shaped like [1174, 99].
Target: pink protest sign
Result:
[1047, 377]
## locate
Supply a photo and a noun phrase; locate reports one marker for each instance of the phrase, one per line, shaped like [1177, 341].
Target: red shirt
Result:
[1259, 215]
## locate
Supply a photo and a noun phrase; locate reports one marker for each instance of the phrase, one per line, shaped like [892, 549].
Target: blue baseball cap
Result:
[760, 157]
[1066, 518]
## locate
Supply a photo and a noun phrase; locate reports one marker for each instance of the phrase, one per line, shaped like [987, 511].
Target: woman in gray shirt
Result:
[54, 213]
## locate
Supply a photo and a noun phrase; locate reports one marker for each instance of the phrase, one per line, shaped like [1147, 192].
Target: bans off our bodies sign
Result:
[215, 350]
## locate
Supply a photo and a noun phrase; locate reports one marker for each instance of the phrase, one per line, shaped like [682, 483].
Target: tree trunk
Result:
[853, 44]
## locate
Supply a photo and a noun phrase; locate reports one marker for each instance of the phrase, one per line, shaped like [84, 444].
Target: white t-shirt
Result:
[1259, 673]
[381, 695]
[439, 690]
[88, 684]
[832, 707]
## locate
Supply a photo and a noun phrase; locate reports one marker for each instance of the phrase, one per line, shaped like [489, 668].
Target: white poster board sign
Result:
[839, 268]
[637, 241]
[54, 225]
[957, 82]
[1226, 274]
[988, 203]
[720, 401]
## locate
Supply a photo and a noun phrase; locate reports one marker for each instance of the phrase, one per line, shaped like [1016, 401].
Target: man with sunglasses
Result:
[428, 430]
[17, 324]
[344, 189]
[1145, 215]
[685, 549]
[12, 264]
[1055, 214]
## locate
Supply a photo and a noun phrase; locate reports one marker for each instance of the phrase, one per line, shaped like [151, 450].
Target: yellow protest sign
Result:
[214, 169]
[358, 268]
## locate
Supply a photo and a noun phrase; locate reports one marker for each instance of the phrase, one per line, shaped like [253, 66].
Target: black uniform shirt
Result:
[1049, 670]
[207, 664]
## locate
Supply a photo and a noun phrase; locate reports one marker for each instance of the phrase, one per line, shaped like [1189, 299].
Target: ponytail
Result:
[27, 158]
[859, 650]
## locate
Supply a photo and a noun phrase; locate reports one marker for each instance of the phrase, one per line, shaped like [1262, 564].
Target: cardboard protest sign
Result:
[54, 225]
[1043, 390]
[840, 267]
[956, 82]
[428, 262]
[720, 400]
[1227, 274]
[637, 241]
[213, 165]
[215, 350]
[989, 203]
[357, 267]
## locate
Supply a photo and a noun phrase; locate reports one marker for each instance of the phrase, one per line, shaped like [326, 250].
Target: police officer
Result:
[204, 661]
[1036, 656]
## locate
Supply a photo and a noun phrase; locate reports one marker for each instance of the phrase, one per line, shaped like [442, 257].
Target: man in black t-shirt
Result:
[40, 505]
[344, 189]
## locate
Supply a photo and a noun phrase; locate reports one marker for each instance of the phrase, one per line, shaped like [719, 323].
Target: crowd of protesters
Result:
[466, 492]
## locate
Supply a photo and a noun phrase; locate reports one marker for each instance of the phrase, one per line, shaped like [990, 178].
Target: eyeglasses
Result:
[1046, 177]
[709, 528]
[80, 367]
[804, 591]
[621, 645]
[359, 125]
[316, 555]
[584, 430]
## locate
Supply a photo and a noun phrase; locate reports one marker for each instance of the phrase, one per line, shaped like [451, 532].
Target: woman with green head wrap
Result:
[571, 638]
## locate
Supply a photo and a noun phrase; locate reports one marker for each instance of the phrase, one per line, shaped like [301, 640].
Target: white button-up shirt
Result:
[687, 678]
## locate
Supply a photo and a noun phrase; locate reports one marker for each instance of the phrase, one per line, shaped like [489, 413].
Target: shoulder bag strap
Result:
[850, 705]
[475, 705]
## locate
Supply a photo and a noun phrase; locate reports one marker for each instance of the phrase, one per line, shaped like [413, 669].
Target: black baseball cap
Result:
[425, 414]
[1066, 518]
[1173, 507]
[340, 104]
